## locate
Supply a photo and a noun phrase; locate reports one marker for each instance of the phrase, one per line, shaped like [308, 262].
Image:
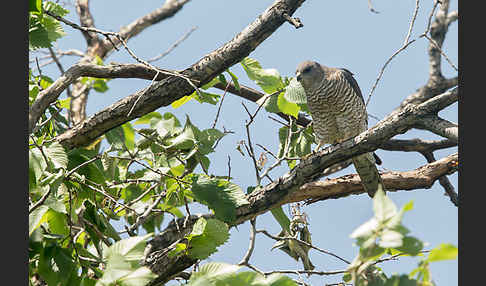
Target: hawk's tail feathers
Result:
[365, 165]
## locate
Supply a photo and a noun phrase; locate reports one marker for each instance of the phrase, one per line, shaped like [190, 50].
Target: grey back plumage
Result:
[338, 112]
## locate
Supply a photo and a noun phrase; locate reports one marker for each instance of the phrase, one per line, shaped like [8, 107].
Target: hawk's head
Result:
[309, 73]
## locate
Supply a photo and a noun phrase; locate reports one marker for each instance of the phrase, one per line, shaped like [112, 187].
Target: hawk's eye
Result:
[306, 70]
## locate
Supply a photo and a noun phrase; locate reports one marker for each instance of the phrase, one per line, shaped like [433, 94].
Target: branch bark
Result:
[172, 88]
[421, 178]
[288, 186]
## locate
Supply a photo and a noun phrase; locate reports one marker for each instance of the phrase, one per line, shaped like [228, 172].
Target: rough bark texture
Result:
[288, 187]
[166, 91]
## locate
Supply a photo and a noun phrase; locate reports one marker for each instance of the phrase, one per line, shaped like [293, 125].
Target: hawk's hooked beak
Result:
[299, 76]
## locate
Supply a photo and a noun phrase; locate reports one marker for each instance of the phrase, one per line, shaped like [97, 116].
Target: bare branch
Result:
[86, 20]
[440, 126]
[420, 178]
[444, 181]
[186, 35]
[167, 10]
[165, 92]
[251, 247]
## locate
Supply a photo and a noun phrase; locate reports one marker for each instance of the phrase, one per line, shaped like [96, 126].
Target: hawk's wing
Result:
[352, 82]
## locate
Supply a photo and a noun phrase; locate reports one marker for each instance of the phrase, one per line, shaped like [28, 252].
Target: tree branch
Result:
[420, 178]
[172, 88]
[285, 189]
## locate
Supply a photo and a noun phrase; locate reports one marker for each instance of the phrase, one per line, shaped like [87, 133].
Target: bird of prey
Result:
[338, 113]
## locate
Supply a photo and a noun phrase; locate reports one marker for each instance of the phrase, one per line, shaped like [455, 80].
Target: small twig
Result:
[82, 165]
[302, 242]
[371, 8]
[444, 181]
[296, 22]
[186, 35]
[188, 215]
[440, 50]
[41, 201]
[141, 94]
[144, 217]
[229, 168]
[221, 104]
[415, 12]
[251, 247]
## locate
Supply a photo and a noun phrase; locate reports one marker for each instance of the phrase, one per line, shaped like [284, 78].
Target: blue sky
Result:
[335, 33]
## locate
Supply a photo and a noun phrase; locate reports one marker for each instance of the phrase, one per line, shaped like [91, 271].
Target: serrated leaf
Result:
[141, 276]
[235, 79]
[36, 217]
[383, 207]
[218, 194]
[365, 229]
[268, 79]
[181, 101]
[186, 139]
[411, 246]
[57, 154]
[35, 5]
[100, 85]
[390, 239]
[295, 93]
[287, 107]
[444, 251]
[147, 117]
[206, 236]
[282, 219]
[212, 270]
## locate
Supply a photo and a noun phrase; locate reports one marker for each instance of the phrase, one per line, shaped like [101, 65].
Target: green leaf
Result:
[147, 117]
[36, 217]
[100, 85]
[212, 82]
[141, 276]
[207, 97]
[268, 79]
[282, 219]
[444, 251]
[208, 138]
[212, 270]
[35, 5]
[365, 229]
[57, 154]
[287, 107]
[65, 103]
[181, 101]
[122, 267]
[295, 93]
[402, 280]
[234, 78]
[383, 207]
[390, 239]
[220, 195]
[57, 222]
[186, 139]
[206, 236]
[270, 104]
[411, 246]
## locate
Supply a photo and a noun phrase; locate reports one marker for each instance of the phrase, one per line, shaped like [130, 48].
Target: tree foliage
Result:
[153, 167]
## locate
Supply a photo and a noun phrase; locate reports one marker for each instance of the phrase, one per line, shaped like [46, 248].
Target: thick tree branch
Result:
[420, 178]
[444, 181]
[167, 10]
[440, 126]
[172, 88]
[286, 187]
[86, 20]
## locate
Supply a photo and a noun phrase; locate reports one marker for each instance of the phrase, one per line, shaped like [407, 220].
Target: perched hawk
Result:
[338, 113]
